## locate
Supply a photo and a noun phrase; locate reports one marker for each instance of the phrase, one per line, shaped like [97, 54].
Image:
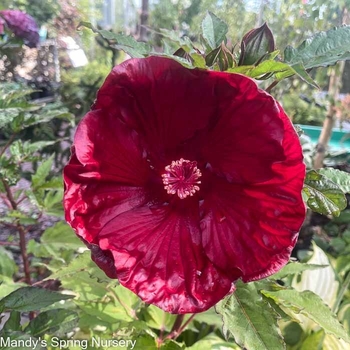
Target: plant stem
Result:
[177, 323]
[177, 328]
[22, 235]
[8, 143]
[341, 293]
[271, 86]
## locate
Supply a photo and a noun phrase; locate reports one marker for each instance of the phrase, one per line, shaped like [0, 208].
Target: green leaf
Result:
[105, 311]
[42, 172]
[295, 268]
[310, 305]
[61, 236]
[53, 322]
[323, 195]
[122, 42]
[159, 319]
[322, 49]
[172, 345]
[184, 43]
[250, 319]
[214, 30]
[340, 178]
[7, 265]
[31, 299]
[13, 323]
[280, 69]
[82, 263]
[313, 341]
[213, 342]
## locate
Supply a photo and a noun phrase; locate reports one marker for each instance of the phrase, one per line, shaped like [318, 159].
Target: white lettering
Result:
[5, 342]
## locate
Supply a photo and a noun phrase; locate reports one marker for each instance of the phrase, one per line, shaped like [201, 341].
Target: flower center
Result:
[181, 178]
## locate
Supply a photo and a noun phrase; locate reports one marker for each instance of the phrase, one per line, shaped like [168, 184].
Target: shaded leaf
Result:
[13, 323]
[53, 322]
[31, 299]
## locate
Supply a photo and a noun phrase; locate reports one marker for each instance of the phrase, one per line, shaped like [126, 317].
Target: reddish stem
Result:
[177, 328]
[22, 235]
[8, 143]
[271, 86]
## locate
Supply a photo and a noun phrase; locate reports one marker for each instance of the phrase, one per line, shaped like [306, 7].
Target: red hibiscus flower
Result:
[22, 25]
[182, 181]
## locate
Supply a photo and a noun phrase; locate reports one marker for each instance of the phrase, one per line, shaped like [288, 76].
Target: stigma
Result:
[181, 178]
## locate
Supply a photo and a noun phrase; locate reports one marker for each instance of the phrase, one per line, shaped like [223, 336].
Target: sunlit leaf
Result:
[311, 305]
[214, 30]
[250, 319]
[322, 49]
[323, 195]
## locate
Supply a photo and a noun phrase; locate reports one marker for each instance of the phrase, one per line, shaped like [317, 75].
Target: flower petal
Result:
[254, 227]
[158, 255]
[165, 103]
[247, 138]
[108, 150]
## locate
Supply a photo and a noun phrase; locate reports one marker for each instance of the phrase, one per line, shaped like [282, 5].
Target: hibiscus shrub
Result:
[185, 193]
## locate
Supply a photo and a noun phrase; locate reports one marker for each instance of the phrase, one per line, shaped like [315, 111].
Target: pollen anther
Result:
[181, 178]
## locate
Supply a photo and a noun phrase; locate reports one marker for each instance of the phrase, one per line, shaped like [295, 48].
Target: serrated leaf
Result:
[53, 322]
[249, 319]
[214, 30]
[310, 305]
[181, 60]
[295, 268]
[322, 195]
[185, 43]
[31, 299]
[322, 49]
[42, 172]
[280, 69]
[340, 178]
[122, 42]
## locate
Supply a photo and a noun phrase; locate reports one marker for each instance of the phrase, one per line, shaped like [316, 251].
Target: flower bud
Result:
[255, 44]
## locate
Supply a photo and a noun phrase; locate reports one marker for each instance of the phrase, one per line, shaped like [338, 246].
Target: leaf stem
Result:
[271, 86]
[8, 143]
[341, 293]
[177, 328]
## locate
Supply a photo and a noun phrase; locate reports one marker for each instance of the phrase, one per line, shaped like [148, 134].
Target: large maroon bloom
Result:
[22, 25]
[182, 181]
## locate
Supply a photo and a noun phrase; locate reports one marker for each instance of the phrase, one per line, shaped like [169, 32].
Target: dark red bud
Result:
[255, 44]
